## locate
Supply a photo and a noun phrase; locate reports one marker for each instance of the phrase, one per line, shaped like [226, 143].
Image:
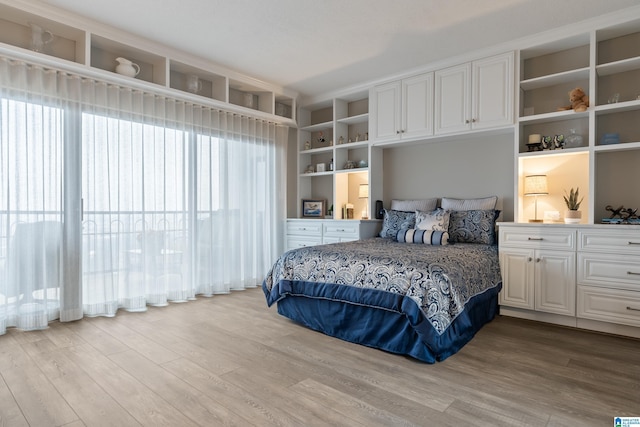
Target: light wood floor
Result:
[229, 360]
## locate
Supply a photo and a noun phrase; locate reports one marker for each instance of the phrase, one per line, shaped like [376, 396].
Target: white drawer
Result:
[609, 305]
[342, 230]
[537, 237]
[621, 241]
[294, 242]
[304, 228]
[609, 270]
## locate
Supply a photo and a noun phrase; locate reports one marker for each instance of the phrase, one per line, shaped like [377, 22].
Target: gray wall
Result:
[473, 167]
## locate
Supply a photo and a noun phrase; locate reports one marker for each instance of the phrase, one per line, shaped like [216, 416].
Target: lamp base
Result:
[535, 220]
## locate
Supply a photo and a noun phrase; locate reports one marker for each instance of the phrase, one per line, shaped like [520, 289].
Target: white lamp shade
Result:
[535, 185]
[363, 191]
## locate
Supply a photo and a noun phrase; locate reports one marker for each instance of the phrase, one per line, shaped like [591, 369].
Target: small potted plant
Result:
[573, 215]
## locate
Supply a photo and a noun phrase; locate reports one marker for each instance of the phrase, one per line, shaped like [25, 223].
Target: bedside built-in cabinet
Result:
[77, 48]
[403, 109]
[609, 274]
[311, 232]
[475, 95]
[585, 276]
[538, 268]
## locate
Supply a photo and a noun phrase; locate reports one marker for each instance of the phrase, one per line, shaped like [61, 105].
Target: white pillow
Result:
[414, 205]
[480, 204]
[437, 220]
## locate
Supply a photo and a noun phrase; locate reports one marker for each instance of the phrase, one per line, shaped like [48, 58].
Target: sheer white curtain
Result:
[128, 198]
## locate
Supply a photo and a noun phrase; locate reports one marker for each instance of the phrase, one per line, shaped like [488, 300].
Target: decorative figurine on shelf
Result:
[357, 137]
[340, 140]
[578, 99]
[614, 212]
[547, 142]
[331, 143]
[321, 139]
[309, 169]
[307, 145]
[558, 142]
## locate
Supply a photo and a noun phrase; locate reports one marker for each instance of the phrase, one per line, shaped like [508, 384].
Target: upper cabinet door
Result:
[453, 99]
[384, 111]
[493, 88]
[417, 106]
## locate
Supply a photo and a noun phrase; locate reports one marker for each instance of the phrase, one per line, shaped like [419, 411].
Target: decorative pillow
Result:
[427, 237]
[474, 226]
[394, 221]
[414, 205]
[437, 220]
[483, 203]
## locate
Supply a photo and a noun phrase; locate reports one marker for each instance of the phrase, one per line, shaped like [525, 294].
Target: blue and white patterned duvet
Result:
[440, 280]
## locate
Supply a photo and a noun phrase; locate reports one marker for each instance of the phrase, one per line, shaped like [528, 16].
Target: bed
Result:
[402, 294]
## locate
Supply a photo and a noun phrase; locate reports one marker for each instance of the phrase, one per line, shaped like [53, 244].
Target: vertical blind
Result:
[115, 198]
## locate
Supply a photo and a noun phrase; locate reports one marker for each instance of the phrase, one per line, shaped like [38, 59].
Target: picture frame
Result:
[313, 208]
[320, 167]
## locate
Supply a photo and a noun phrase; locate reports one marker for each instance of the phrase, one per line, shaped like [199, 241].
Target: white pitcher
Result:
[127, 68]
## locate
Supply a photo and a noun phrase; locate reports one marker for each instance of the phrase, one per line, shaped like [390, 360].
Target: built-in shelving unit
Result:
[97, 48]
[605, 63]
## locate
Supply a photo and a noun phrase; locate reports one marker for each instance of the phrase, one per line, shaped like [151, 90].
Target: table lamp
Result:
[535, 185]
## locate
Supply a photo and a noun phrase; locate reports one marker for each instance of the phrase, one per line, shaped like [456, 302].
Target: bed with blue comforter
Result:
[418, 300]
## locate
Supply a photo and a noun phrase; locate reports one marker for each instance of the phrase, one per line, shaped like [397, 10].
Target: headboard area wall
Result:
[468, 168]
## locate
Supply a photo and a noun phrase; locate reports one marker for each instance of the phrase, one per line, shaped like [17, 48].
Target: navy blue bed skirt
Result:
[390, 330]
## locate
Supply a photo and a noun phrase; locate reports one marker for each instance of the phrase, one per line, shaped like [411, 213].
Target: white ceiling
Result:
[318, 46]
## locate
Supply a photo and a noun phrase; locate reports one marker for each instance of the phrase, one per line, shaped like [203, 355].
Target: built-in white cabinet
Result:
[475, 95]
[311, 232]
[402, 110]
[79, 48]
[538, 268]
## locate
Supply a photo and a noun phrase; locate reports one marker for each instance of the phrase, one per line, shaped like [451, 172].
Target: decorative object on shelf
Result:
[573, 140]
[357, 137]
[248, 100]
[558, 142]
[350, 164]
[340, 140]
[379, 209]
[573, 215]
[321, 139]
[363, 193]
[331, 165]
[320, 167]
[366, 136]
[613, 98]
[535, 138]
[309, 169]
[313, 208]
[609, 139]
[307, 145]
[547, 142]
[331, 143]
[362, 164]
[347, 211]
[127, 68]
[194, 84]
[39, 37]
[578, 99]
[535, 185]
[621, 216]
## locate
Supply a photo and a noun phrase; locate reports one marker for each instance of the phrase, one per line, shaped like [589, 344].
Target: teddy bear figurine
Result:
[579, 101]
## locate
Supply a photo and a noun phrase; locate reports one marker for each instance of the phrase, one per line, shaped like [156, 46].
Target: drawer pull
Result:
[535, 238]
[530, 259]
[631, 273]
[339, 229]
[633, 309]
[634, 243]
[302, 228]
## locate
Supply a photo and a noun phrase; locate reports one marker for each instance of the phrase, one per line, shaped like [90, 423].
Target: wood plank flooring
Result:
[230, 360]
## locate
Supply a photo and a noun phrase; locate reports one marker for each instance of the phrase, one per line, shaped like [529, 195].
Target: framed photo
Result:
[313, 208]
[320, 167]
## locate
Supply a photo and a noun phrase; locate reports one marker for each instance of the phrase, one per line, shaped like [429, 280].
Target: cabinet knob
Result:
[530, 259]
[398, 132]
[538, 259]
[473, 120]
[467, 121]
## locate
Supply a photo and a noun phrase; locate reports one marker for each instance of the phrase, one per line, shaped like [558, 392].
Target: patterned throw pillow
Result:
[474, 226]
[427, 237]
[437, 220]
[395, 221]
